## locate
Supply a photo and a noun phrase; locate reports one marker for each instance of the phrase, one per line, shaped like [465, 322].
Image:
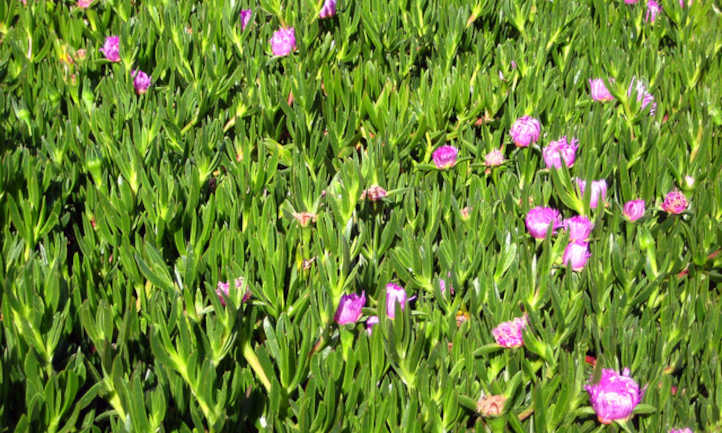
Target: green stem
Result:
[255, 364]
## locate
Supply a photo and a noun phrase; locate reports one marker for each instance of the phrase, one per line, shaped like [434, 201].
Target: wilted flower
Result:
[538, 220]
[675, 202]
[461, 317]
[599, 191]
[283, 41]
[494, 158]
[442, 286]
[245, 16]
[373, 193]
[141, 81]
[689, 182]
[509, 334]
[445, 156]
[634, 210]
[395, 294]
[615, 396]
[304, 218]
[492, 405]
[111, 48]
[349, 308]
[84, 3]
[370, 322]
[579, 228]
[222, 290]
[653, 8]
[643, 95]
[681, 430]
[599, 91]
[525, 131]
[465, 213]
[560, 150]
[576, 254]
[328, 10]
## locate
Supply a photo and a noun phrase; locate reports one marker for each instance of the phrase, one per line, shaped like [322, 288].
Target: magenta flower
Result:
[111, 48]
[373, 193]
[283, 41]
[245, 17]
[395, 294]
[510, 334]
[681, 430]
[370, 322]
[141, 81]
[539, 219]
[579, 228]
[442, 287]
[445, 157]
[349, 308]
[525, 131]
[675, 202]
[630, 2]
[615, 396]
[634, 210]
[653, 8]
[222, 290]
[599, 191]
[494, 158]
[328, 10]
[560, 150]
[576, 254]
[643, 95]
[599, 91]
[83, 4]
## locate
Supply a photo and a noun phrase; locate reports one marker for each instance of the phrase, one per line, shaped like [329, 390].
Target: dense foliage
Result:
[192, 217]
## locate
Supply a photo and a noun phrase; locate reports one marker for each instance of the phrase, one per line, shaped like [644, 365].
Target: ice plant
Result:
[579, 228]
[349, 308]
[111, 48]
[445, 157]
[283, 41]
[509, 334]
[370, 322]
[675, 202]
[373, 193]
[681, 430]
[538, 220]
[633, 210]
[84, 3]
[245, 17]
[560, 150]
[395, 294]
[576, 254]
[525, 131]
[328, 10]
[222, 290]
[643, 95]
[494, 158]
[491, 406]
[599, 191]
[615, 396]
[599, 91]
[630, 2]
[141, 81]
[653, 8]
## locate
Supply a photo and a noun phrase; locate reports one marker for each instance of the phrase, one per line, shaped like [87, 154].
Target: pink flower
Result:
[84, 3]
[681, 4]
[222, 290]
[370, 322]
[599, 91]
[395, 294]
[525, 131]
[494, 158]
[373, 193]
[653, 8]
[442, 286]
[643, 95]
[599, 191]
[141, 81]
[349, 308]
[560, 150]
[445, 157]
[328, 10]
[681, 430]
[111, 48]
[615, 396]
[634, 210]
[630, 2]
[509, 334]
[675, 202]
[579, 228]
[283, 41]
[539, 219]
[245, 17]
[576, 254]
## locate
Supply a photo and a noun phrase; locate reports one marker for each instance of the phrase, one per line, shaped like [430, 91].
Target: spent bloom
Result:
[395, 294]
[634, 210]
[509, 334]
[222, 290]
[283, 41]
[349, 308]
[445, 156]
[141, 81]
[615, 396]
[599, 91]
[111, 48]
[538, 220]
[560, 150]
[576, 254]
[525, 131]
[653, 8]
[643, 95]
[599, 191]
[245, 17]
[675, 202]
[328, 10]
[373, 193]
[370, 322]
[494, 158]
[84, 3]
[491, 405]
[579, 228]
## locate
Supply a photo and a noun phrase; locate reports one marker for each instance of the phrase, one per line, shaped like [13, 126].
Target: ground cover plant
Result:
[405, 215]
